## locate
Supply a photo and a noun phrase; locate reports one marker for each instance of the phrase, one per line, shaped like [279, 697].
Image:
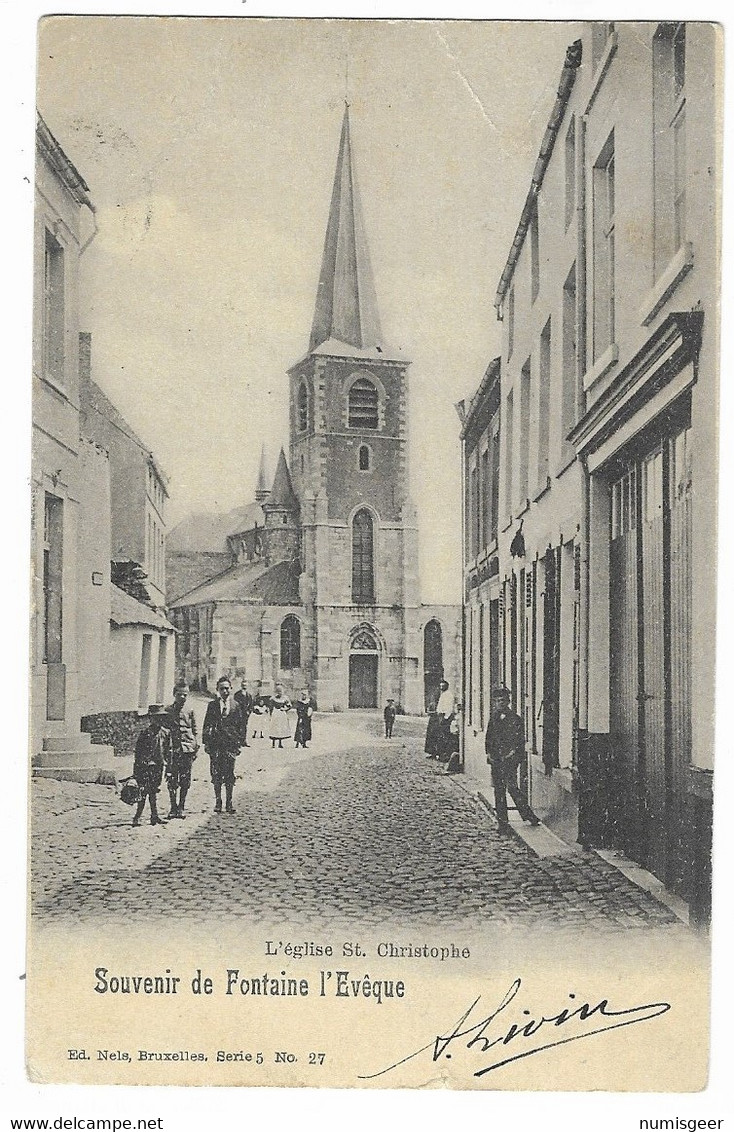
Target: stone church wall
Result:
[246, 644]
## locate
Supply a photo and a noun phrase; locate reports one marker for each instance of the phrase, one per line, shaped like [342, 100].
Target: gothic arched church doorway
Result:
[363, 670]
[432, 664]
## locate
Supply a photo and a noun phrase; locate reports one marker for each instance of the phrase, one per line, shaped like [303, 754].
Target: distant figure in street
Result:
[280, 727]
[389, 716]
[304, 706]
[259, 711]
[505, 747]
[222, 737]
[245, 703]
[182, 725]
[153, 752]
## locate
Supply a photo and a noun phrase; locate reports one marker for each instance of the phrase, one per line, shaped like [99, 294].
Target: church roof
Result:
[346, 303]
[207, 531]
[333, 348]
[245, 583]
[282, 494]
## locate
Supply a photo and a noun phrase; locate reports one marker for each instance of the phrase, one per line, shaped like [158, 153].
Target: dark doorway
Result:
[363, 680]
[650, 659]
[432, 664]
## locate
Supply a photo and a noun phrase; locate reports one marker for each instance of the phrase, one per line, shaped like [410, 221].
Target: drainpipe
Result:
[581, 325]
[95, 229]
[462, 731]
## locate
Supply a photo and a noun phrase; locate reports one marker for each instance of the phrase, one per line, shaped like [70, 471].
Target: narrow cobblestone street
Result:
[355, 828]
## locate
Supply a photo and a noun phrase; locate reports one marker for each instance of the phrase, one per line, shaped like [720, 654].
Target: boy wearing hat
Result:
[153, 753]
[505, 747]
[389, 716]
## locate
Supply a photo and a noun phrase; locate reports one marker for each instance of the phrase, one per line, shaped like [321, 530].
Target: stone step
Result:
[101, 775]
[73, 756]
[79, 741]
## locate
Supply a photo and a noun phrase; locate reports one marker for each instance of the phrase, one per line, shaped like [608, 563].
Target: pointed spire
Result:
[346, 304]
[282, 497]
[262, 491]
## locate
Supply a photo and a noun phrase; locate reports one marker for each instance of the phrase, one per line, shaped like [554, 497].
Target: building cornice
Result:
[565, 86]
[675, 343]
[70, 176]
[488, 392]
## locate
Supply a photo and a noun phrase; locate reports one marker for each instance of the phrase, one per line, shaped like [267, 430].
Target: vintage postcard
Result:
[374, 499]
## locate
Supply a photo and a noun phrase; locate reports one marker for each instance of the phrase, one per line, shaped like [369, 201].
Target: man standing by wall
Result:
[222, 738]
[505, 747]
[182, 725]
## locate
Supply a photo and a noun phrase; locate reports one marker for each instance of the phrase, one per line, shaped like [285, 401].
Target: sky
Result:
[209, 147]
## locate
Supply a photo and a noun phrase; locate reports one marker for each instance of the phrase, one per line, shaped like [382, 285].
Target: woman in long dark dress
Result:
[445, 710]
[437, 730]
[304, 706]
[433, 735]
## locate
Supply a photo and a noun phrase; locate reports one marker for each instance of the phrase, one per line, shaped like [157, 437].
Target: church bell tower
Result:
[349, 467]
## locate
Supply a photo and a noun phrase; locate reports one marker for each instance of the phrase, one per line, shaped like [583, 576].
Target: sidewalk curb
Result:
[633, 872]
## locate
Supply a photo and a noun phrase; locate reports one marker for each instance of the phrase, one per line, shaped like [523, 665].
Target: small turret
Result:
[282, 531]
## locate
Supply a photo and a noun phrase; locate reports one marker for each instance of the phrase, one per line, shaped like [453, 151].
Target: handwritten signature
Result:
[519, 1033]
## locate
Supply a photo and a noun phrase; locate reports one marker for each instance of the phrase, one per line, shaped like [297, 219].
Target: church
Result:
[316, 583]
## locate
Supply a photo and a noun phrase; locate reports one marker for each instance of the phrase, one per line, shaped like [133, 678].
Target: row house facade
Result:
[601, 562]
[88, 638]
[69, 475]
[139, 487]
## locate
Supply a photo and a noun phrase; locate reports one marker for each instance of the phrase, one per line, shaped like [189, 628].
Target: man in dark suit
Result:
[505, 747]
[222, 737]
[245, 703]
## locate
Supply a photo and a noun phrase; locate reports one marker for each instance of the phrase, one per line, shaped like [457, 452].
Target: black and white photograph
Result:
[374, 515]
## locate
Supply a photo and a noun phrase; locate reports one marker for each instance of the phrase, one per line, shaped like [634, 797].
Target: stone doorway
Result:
[363, 670]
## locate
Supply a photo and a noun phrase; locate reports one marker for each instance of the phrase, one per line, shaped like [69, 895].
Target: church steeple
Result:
[346, 304]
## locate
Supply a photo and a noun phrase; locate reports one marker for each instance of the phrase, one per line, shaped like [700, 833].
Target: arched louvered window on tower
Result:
[290, 643]
[363, 559]
[363, 404]
[302, 408]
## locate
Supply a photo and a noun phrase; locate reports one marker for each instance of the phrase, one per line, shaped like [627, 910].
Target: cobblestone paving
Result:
[355, 829]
